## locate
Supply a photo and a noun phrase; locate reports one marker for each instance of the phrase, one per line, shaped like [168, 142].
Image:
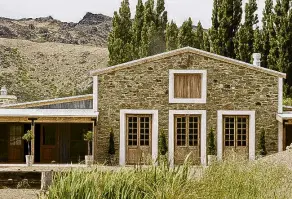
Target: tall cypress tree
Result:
[186, 34]
[245, 35]
[171, 36]
[199, 36]
[137, 28]
[257, 44]
[214, 37]
[153, 30]
[149, 17]
[120, 39]
[227, 16]
[266, 21]
[207, 45]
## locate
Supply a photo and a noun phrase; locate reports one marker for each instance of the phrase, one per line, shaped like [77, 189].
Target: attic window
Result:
[187, 86]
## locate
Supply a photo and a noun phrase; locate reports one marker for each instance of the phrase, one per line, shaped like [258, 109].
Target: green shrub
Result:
[88, 137]
[162, 143]
[111, 148]
[262, 146]
[28, 136]
[211, 143]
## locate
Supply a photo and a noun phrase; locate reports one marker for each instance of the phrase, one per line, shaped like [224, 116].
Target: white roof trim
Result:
[284, 116]
[185, 50]
[48, 102]
[48, 113]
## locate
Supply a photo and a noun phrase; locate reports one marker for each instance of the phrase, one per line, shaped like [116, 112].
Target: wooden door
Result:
[49, 143]
[139, 134]
[187, 139]
[15, 148]
[235, 134]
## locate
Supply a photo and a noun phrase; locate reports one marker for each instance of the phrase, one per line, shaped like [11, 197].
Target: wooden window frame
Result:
[139, 116]
[235, 145]
[201, 100]
[187, 143]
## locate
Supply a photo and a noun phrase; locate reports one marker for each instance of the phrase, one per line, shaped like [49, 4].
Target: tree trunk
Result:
[28, 146]
[88, 148]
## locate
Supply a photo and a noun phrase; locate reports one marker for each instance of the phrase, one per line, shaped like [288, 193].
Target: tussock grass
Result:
[230, 179]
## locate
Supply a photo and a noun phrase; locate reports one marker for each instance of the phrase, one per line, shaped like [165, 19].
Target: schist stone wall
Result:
[146, 86]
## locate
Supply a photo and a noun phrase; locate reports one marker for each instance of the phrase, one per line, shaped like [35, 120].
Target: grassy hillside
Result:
[35, 71]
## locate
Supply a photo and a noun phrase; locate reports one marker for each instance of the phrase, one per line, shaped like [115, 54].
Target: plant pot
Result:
[212, 159]
[88, 160]
[29, 160]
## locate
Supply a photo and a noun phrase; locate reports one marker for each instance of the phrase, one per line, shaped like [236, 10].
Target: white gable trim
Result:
[201, 100]
[186, 50]
[251, 142]
[123, 145]
[203, 147]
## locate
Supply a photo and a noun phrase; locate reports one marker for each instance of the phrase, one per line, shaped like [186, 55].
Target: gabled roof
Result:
[186, 50]
[49, 102]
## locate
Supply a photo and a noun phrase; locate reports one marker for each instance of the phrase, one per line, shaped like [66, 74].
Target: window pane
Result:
[144, 131]
[180, 131]
[229, 130]
[193, 130]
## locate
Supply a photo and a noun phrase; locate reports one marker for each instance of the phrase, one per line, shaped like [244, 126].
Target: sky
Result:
[74, 10]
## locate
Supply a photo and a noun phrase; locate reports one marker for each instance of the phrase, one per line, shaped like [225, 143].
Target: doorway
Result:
[288, 135]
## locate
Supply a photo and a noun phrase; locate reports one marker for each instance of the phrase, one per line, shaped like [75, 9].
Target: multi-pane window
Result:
[15, 134]
[235, 130]
[187, 85]
[187, 128]
[138, 127]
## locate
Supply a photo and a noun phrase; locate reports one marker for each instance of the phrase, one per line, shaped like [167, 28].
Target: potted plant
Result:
[28, 136]
[162, 146]
[88, 137]
[111, 149]
[262, 144]
[211, 147]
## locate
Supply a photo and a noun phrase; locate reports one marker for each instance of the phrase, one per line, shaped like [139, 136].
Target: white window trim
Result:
[201, 100]
[123, 133]
[251, 136]
[203, 135]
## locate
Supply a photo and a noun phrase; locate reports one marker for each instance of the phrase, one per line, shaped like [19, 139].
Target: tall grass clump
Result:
[229, 179]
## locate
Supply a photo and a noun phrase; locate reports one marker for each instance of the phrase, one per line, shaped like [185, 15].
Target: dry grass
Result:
[35, 71]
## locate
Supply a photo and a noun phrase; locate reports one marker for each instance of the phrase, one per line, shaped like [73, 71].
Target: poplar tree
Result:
[257, 44]
[186, 34]
[266, 21]
[120, 38]
[137, 28]
[171, 36]
[214, 37]
[226, 19]
[199, 36]
[207, 45]
[149, 17]
[245, 35]
[153, 30]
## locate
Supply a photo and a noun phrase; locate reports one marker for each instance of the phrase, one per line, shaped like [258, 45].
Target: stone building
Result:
[184, 93]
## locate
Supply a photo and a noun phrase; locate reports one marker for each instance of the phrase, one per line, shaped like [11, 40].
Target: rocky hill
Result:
[93, 29]
[36, 71]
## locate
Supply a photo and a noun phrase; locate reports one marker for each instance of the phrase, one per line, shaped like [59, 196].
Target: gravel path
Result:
[19, 194]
